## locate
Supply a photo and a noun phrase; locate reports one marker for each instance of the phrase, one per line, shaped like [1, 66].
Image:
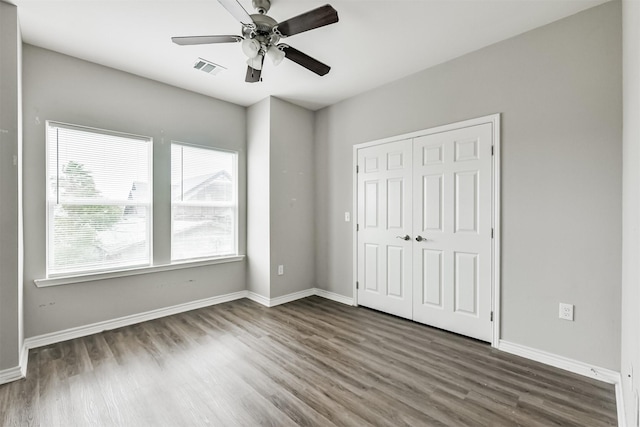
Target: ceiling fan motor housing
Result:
[263, 31]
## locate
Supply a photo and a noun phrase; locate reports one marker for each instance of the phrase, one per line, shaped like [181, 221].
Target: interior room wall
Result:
[281, 198]
[259, 204]
[558, 89]
[11, 254]
[292, 198]
[69, 90]
[630, 363]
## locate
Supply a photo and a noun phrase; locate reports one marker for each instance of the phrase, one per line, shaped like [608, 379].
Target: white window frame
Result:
[234, 204]
[50, 202]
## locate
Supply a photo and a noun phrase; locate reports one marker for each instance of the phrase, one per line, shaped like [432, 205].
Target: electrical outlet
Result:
[280, 270]
[566, 311]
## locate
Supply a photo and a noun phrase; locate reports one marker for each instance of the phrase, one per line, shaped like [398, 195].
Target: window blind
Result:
[99, 199]
[203, 202]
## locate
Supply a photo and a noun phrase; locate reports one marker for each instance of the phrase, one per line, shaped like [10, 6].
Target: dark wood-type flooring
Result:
[311, 362]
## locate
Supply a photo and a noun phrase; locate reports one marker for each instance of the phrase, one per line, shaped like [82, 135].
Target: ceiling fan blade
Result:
[235, 8]
[191, 40]
[253, 75]
[305, 60]
[315, 18]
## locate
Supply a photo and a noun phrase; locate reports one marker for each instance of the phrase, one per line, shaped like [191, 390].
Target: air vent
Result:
[208, 66]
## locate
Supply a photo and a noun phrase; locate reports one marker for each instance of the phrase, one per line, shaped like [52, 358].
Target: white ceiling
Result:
[375, 42]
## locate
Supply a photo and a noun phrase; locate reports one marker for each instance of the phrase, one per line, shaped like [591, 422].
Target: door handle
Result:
[405, 237]
[420, 239]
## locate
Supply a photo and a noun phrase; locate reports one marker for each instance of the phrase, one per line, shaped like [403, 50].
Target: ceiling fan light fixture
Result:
[276, 55]
[255, 63]
[251, 47]
[260, 35]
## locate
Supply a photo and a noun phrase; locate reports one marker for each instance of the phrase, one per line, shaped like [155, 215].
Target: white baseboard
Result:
[20, 371]
[24, 359]
[11, 374]
[94, 328]
[334, 297]
[622, 415]
[81, 331]
[17, 372]
[259, 299]
[292, 297]
[272, 302]
[571, 365]
[575, 366]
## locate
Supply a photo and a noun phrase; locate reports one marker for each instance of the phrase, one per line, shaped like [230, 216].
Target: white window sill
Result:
[67, 280]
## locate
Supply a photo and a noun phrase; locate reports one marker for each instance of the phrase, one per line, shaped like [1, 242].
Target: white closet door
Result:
[384, 219]
[452, 182]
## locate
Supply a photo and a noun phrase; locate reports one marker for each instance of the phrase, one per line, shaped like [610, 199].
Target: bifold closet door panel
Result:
[384, 221]
[452, 209]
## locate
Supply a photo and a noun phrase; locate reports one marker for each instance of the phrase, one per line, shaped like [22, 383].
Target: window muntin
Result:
[203, 202]
[99, 200]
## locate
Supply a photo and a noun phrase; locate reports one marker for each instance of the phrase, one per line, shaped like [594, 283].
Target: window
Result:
[203, 202]
[99, 200]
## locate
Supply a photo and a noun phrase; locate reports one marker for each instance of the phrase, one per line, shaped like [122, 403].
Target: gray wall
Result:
[631, 210]
[258, 196]
[11, 319]
[62, 88]
[281, 198]
[292, 198]
[559, 91]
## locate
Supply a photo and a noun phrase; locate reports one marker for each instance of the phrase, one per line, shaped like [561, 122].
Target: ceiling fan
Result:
[261, 34]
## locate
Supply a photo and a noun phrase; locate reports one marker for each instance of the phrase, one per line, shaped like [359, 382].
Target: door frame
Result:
[494, 120]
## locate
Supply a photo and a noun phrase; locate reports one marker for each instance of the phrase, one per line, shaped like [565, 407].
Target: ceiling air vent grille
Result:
[208, 66]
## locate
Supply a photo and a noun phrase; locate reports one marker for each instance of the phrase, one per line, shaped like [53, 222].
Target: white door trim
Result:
[494, 120]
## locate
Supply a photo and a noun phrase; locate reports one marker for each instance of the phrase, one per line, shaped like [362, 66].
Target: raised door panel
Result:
[432, 203]
[395, 272]
[371, 204]
[466, 201]
[395, 204]
[465, 283]
[432, 277]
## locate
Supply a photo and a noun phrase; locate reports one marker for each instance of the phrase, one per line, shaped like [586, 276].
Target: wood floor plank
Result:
[311, 362]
